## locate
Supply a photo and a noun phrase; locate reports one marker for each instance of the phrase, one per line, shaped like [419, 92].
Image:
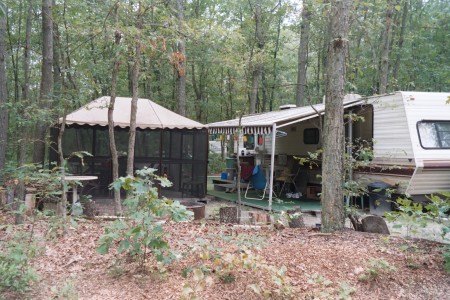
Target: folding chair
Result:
[287, 179]
[258, 182]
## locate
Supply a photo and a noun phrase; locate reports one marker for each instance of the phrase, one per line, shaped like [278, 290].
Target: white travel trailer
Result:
[409, 133]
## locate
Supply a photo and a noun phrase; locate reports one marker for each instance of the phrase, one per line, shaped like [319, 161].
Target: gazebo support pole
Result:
[272, 164]
[160, 157]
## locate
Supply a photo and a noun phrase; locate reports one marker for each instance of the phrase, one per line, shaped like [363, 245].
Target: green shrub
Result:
[142, 228]
[15, 271]
[446, 255]
[375, 269]
[215, 164]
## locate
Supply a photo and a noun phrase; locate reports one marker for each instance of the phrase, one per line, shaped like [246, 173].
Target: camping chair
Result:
[287, 179]
[258, 182]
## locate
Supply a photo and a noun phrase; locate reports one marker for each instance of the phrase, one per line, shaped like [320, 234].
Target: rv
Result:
[409, 133]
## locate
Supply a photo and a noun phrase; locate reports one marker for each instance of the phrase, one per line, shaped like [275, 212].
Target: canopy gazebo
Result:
[174, 145]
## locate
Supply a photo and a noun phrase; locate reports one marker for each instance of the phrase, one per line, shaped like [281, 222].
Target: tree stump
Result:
[2, 198]
[90, 210]
[259, 218]
[228, 215]
[295, 218]
[30, 204]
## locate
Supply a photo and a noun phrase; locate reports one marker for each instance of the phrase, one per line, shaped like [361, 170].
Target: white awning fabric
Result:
[262, 123]
[149, 115]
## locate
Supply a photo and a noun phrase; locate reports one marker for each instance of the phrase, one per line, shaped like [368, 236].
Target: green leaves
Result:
[141, 229]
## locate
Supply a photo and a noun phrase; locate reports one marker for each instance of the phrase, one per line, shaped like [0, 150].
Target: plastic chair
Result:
[258, 182]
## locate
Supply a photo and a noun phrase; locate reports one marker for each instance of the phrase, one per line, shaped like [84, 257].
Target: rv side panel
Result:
[429, 181]
[422, 106]
[392, 142]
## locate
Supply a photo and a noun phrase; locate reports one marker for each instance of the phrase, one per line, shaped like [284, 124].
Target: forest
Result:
[205, 59]
[208, 60]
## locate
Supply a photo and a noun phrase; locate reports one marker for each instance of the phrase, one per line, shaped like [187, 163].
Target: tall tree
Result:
[303, 55]
[333, 135]
[258, 69]
[386, 37]
[3, 93]
[181, 68]
[135, 90]
[22, 127]
[400, 42]
[46, 87]
[112, 140]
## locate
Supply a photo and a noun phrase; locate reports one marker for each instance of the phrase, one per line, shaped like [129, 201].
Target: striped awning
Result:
[262, 123]
[245, 130]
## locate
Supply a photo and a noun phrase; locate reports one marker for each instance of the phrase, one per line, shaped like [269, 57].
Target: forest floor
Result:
[297, 263]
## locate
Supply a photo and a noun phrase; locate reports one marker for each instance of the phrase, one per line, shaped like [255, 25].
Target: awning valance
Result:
[245, 130]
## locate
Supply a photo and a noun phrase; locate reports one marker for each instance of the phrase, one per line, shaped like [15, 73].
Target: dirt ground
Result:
[318, 266]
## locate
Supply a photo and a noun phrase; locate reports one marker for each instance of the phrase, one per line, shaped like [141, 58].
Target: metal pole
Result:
[349, 152]
[272, 164]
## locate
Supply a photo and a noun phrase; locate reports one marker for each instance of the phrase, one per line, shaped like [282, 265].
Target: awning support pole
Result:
[349, 152]
[272, 164]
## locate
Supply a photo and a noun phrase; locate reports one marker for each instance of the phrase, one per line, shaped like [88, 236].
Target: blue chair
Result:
[258, 182]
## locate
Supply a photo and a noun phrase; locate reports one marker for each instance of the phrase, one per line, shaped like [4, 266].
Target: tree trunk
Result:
[275, 71]
[62, 206]
[198, 90]
[384, 68]
[333, 156]
[3, 94]
[135, 94]
[23, 129]
[112, 141]
[46, 88]
[256, 75]
[181, 69]
[400, 42]
[57, 70]
[303, 56]
[255, 85]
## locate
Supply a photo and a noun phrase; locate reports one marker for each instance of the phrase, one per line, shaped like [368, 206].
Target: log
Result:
[228, 215]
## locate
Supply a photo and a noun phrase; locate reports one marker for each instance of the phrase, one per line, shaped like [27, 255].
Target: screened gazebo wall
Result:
[179, 154]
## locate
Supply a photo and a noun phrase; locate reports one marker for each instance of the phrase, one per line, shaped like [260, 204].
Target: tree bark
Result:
[384, 67]
[62, 206]
[135, 94]
[181, 70]
[400, 42]
[23, 129]
[256, 75]
[46, 88]
[333, 156]
[303, 56]
[275, 71]
[112, 141]
[3, 94]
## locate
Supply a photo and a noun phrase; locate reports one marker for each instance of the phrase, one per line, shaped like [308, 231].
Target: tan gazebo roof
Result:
[149, 115]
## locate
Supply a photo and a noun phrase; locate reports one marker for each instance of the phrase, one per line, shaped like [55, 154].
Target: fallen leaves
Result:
[339, 257]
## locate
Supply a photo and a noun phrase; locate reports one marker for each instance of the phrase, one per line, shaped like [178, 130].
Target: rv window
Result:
[311, 136]
[434, 134]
